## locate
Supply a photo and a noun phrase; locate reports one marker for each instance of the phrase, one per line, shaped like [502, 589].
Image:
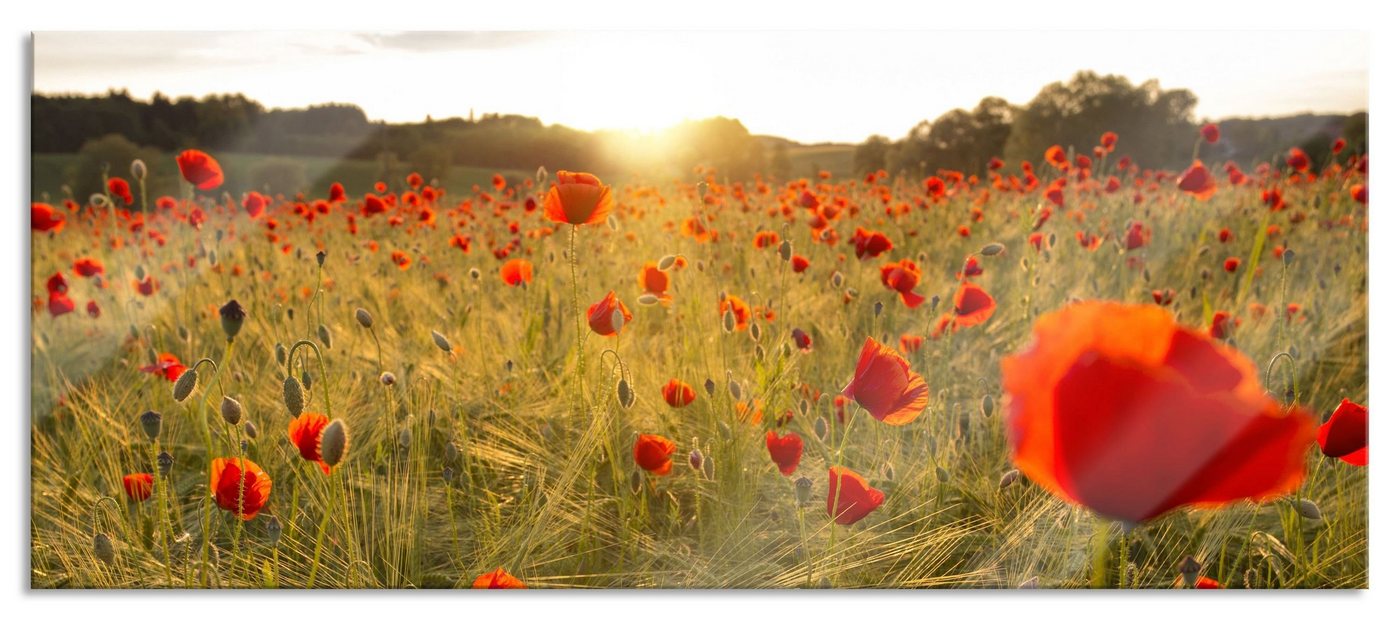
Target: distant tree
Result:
[113, 155]
[870, 155]
[431, 161]
[1154, 126]
[1355, 131]
[278, 175]
[958, 140]
[780, 161]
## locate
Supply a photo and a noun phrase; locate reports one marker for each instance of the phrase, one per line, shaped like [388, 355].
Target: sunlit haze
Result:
[808, 86]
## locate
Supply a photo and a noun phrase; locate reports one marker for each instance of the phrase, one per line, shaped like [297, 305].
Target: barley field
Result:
[830, 381]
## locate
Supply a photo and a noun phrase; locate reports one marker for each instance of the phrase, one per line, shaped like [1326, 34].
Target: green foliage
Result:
[111, 154]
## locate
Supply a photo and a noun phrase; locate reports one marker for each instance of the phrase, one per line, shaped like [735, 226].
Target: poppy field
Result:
[1073, 372]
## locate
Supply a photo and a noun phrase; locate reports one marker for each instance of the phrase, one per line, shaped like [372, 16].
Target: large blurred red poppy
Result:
[517, 271]
[44, 218]
[1197, 181]
[201, 170]
[498, 579]
[885, 385]
[972, 305]
[138, 486]
[166, 365]
[677, 394]
[849, 497]
[578, 198]
[902, 277]
[1119, 409]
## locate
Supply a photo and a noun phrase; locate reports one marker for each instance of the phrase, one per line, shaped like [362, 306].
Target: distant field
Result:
[52, 171]
[838, 159]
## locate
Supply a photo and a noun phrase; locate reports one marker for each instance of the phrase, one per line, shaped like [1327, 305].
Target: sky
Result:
[809, 86]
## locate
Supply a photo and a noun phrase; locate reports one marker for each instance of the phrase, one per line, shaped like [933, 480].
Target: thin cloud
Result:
[452, 41]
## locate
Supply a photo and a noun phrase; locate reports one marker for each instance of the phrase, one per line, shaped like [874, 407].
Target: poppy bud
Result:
[837, 280]
[636, 481]
[274, 529]
[702, 188]
[708, 467]
[405, 438]
[879, 307]
[728, 321]
[758, 352]
[820, 427]
[250, 430]
[102, 548]
[150, 423]
[803, 487]
[987, 405]
[280, 352]
[625, 396]
[1288, 256]
[441, 342]
[164, 461]
[666, 262]
[474, 273]
[1307, 509]
[803, 406]
[366, 321]
[613, 223]
[697, 459]
[291, 396]
[1190, 569]
[388, 378]
[231, 315]
[510, 366]
[135, 333]
[710, 387]
[993, 249]
[617, 320]
[942, 474]
[324, 333]
[647, 299]
[100, 201]
[785, 250]
[449, 475]
[184, 385]
[754, 331]
[1009, 478]
[138, 170]
[451, 452]
[231, 410]
[734, 390]
[335, 441]
[306, 379]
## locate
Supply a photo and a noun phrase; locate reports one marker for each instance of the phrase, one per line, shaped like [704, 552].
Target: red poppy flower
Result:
[1211, 132]
[56, 284]
[1057, 157]
[902, 277]
[138, 486]
[255, 203]
[849, 497]
[414, 180]
[677, 393]
[201, 170]
[885, 385]
[1222, 324]
[60, 304]
[1108, 140]
[739, 307]
[655, 281]
[517, 271]
[1163, 297]
[1231, 264]
[972, 305]
[786, 451]
[401, 259]
[800, 263]
[92, 309]
[801, 340]
[765, 238]
[168, 365]
[870, 244]
[498, 579]
[1197, 181]
[1358, 193]
[1138, 236]
[1343, 435]
[226, 484]
[44, 218]
[600, 315]
[305, 433]
[118, 187]
[653, 453]
[1118, 408]
[578, 198]
[995, 163]
[1298, 160]
[88, 267]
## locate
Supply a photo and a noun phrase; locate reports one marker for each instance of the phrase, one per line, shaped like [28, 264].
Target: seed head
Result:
[729, 322]
[274, 529]
[1307, 509]
[666, 262]
[803, 489]
[388, 378]
[993, 249]
[324, 333]
[250, 430]
[625, 395]
[1009, 478]
[150, 423]
[280, 352]
[987, 405]
[138, 170]
[785, 250]
[165, 462]
[231, 315]
[636, 481]
[697, 459]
